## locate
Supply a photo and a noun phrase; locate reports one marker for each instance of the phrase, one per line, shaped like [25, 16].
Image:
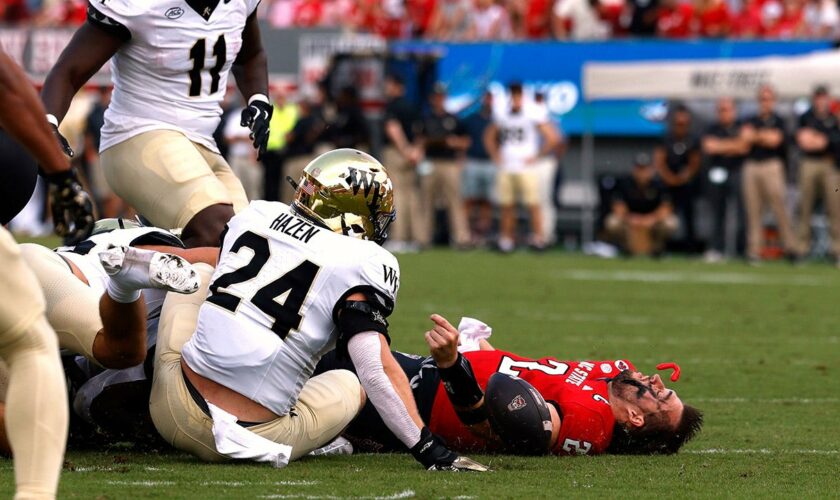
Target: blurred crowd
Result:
[736, 164]
[474, 20]
[565, 19]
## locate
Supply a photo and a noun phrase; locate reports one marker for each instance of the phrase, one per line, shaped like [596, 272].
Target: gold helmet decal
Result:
[348, 192]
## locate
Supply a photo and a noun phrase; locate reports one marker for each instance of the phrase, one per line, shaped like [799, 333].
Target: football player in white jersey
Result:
[170, 63]
[513, 142]
[92, 290]
[292, 283]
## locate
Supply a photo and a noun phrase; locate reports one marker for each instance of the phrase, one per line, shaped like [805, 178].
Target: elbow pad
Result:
[354, 317]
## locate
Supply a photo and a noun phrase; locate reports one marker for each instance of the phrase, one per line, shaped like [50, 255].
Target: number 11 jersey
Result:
[171, 71]
[271, 312]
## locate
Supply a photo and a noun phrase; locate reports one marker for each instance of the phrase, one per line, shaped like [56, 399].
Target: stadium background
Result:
[758, 346]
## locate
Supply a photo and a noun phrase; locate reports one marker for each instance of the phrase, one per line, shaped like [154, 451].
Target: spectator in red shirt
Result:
[783, 19]
[13, 11]
[420, 15]
[748, 23]
[673, 20]
[308, 13]
[712, 18]
[537, 19]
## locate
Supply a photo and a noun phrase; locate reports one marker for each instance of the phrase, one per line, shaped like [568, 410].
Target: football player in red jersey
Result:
[596, 406]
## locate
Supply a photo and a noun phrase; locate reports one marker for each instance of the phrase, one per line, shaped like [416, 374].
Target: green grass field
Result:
[759, 349]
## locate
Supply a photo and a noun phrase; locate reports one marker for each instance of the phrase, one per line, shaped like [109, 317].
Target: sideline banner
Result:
[557, 68]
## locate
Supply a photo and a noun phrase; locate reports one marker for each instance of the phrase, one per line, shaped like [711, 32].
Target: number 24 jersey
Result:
[270, 316]
[171, 71]
[577, 387]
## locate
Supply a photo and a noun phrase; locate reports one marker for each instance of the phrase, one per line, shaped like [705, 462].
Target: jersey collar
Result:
[203, 8]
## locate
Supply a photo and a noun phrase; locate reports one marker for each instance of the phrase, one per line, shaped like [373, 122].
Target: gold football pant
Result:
[169, 179]
[72, 306]
[326, 404]
[36, 409]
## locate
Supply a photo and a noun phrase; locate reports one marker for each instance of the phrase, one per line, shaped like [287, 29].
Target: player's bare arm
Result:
[22, 115]
[89, 49]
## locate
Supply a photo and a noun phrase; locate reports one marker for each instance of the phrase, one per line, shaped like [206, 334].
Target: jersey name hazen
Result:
[297, 228]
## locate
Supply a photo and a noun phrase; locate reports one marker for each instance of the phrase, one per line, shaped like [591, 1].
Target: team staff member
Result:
[513, 141]
[817, 135]
[478, 182]
[724, 151]
[36, 426]
[642, 216]
[677, 161]
[764, 174]
[445, 140]
[401, 155]
[170, 71]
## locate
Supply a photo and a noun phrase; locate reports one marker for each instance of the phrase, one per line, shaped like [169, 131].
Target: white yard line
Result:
[760, 451]
[706, 278]
[146, 484]
[776, 401]
[395, 496]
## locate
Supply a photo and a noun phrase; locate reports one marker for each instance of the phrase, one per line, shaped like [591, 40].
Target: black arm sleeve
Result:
[108, 24]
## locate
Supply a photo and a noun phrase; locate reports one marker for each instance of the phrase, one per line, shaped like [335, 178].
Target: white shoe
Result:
[712, 257]
[138, 269]
[339, 446]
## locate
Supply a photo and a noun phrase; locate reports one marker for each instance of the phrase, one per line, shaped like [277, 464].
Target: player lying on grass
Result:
[93, 290]
[595, 406]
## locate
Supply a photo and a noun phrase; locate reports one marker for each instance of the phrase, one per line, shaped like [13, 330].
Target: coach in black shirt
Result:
[401, 156]
[724, 152]
[764, 174]
[818, 177]
[445, 141]
[677, 160]
[642, 217]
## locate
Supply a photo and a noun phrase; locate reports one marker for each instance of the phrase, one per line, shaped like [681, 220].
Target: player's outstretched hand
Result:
[71, 206]
[442, 340]
[62, 141]
[434, 455]
[257, 116]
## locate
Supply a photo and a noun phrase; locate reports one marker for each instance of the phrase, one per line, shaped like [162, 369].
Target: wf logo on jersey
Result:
[390, 277]
[363, 180]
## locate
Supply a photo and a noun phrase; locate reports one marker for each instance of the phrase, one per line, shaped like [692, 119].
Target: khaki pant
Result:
[518, 187]
[72, 306]
[639, 240]
[764, 184]
[326, 404]
[169, 179]
[35, 392]
[410, 225]
[292, 167]
[444, 181]
[818, 178]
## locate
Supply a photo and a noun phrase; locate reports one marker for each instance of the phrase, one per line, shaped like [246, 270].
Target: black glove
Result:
[62, 141]
[256, 116]
[72, 210]
[434, 455]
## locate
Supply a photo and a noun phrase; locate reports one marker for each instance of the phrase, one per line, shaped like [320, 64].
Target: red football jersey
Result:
[588, 421]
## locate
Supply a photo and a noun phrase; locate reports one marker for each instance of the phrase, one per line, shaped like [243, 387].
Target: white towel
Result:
[235, 441]
[471, 331]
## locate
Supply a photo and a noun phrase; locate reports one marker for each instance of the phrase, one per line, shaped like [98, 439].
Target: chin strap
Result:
[670, 366]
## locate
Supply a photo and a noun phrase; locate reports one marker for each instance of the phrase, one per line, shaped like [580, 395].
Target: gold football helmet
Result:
[348, 192]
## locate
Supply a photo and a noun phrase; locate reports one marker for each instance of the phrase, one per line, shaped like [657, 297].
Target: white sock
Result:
[122, 293]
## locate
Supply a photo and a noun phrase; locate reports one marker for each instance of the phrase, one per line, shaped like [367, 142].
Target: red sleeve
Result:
[584, 431]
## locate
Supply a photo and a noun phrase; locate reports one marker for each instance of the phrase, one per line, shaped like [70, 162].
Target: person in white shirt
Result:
[169, 66]
[513, 142]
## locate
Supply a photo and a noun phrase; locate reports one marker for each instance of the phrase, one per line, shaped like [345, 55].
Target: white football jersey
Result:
[519, 135]
[270, 315]
[172, 71]
[85, 256]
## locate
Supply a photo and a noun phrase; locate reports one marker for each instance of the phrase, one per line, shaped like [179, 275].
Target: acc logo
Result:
[517, 403]
[606, 368]
[174, 13]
